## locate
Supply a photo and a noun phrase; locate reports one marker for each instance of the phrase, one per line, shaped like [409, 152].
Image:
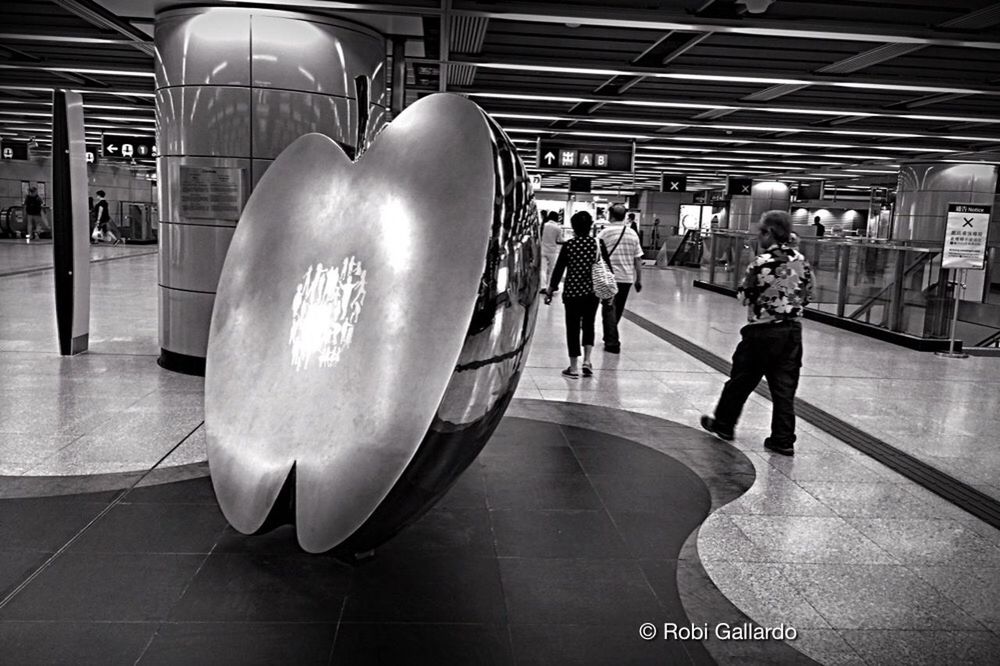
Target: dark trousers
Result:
[773, 351]
[611, 314]
[580, 313]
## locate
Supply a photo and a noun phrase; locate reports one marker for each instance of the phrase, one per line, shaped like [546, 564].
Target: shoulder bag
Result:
[605, 286]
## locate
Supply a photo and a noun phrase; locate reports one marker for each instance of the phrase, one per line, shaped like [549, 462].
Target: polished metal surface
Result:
[204, 120]
[307, 55]
[177, 310]
[281, 116]
[192, 255]
[925, 189]
[202, 47]
[371, 325]
[235, 86]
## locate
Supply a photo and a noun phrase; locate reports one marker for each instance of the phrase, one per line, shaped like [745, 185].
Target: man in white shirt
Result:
[551, 235]
[626, 262]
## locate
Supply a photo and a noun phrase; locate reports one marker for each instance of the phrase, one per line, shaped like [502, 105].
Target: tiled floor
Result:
[541, 554]
[871, 568]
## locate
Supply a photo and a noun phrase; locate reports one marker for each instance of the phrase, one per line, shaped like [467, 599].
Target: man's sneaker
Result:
[708, 423]
[612, 349]
[783, 449]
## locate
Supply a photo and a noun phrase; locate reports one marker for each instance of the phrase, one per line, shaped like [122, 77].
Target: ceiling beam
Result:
[665, 20]
[584, 67]
[100, 17]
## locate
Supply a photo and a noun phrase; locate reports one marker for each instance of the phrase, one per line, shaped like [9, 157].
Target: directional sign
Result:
[965, 236]
[93, 153]
[14, 150]
[672, 183]
[737, 187]
[120, 146]
[585, 156]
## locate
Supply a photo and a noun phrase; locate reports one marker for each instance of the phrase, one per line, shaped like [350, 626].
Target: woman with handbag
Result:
[589, 279]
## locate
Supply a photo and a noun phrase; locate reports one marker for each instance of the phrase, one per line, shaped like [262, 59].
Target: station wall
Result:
[119, 182]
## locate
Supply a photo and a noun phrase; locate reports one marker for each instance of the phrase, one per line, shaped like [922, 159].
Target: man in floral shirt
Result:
[777, 286]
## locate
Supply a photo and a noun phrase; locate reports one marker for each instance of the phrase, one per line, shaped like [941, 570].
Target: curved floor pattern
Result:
[554, 547]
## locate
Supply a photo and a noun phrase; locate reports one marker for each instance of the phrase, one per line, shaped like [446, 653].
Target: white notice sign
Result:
[965, 236]
[213, 193]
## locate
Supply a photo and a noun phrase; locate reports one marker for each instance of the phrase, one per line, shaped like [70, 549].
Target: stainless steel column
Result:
[70, 223]
[925, 189]
[768, 195]
[234, 87]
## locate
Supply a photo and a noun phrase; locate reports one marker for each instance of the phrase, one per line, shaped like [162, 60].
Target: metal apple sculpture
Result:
[371, 324]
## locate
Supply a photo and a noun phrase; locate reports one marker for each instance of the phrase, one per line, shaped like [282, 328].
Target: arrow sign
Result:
[127, 147]
[112, 148]
[585, 155]
[549, 158]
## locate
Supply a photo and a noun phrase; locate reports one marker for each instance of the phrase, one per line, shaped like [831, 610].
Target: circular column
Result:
[234, 87]
[925, 189]
[768, 195]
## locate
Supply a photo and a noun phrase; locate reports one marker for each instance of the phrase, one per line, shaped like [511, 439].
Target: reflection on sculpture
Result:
[371, 325]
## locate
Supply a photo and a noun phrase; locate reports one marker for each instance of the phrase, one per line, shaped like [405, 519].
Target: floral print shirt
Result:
[777, 285]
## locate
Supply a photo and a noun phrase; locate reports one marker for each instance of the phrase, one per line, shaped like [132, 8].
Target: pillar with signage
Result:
[226, 108]
[70, 223]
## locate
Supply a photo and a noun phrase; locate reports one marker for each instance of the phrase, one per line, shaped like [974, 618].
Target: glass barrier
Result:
[898, 287]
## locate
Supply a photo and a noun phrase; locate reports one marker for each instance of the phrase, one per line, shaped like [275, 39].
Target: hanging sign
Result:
[965, 236]
[585, 156]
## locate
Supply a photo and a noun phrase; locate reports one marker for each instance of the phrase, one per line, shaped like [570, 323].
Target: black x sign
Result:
[968, 221]
[671, 183]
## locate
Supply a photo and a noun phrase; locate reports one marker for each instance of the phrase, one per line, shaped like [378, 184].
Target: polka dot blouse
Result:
[576, 259]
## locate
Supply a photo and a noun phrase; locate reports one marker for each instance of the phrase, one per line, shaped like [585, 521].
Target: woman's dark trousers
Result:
[580, 313]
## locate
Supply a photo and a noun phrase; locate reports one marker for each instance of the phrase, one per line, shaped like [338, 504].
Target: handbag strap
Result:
[620, 237]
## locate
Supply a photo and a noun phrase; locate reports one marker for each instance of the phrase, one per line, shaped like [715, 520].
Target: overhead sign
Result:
[93, 153]
[14, 150]
[737, 187]
[577, 155]
[536, 181]
[672, 183]
[965, 236]
[579, 184]
[810, 190]
[128, 147]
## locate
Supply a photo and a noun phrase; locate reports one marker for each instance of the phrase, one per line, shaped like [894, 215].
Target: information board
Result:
[214, 193]
[965, 236]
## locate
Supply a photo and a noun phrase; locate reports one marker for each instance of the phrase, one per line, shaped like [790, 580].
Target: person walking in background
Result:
[776, 288]
[551, 240]
[626, 262]
[33, 215]
[576, 259]
[102, 232]
[820, 229]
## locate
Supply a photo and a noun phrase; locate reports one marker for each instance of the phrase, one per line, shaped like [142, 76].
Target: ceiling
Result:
[841, 90]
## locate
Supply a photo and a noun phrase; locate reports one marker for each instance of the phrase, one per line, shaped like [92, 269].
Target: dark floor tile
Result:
[422, 587]
[279, 541]
[44, 524]
[418, 644]
[619, 457]
[446, 532]
[469, 492]
[517, 432]
[102, 586]
[659, 534]
[154, 528]
[73, 643]
[542, 458]
[570, 534]
[192, 491]
[240, 644]
[557, 591]
[621, 493]
[250, 587]
[557, 492]
[16, 566]
[586, 645]
[662, 577]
